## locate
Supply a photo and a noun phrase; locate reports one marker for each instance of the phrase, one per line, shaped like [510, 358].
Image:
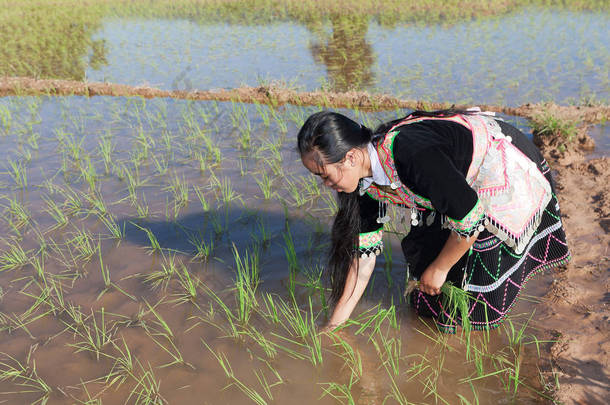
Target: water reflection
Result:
[50, 42]
[345, 52]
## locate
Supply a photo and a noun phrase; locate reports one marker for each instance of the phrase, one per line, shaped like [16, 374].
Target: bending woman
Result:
[479, 208]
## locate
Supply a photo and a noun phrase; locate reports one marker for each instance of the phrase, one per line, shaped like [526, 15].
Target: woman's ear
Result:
[351, 157]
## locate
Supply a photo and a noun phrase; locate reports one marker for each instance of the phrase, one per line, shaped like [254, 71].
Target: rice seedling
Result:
[123, 366]
[246, 283]
[25, 376]
[161, 165]
[61, 219]
[94, 338]
[97, 204]
[160, 278]
[147, 389]
[89, 174]
[17, 214]
[225, 192]
[82, 242]
[106, 148]
[222, 360]
[180, 190]
[18, 173]
[265, 183]
[203, 248]
[303, 326]
[13, 257]
[116, 231]
[204, 203]
[188, 284]
[6, 119]
[154, 247]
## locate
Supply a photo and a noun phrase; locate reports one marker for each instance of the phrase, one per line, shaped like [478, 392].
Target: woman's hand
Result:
[432, 280]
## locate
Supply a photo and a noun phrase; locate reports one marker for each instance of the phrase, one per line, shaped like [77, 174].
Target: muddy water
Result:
[532, 55]
[69, 327]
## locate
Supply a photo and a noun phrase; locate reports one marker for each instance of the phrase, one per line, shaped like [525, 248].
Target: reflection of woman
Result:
[478, 200]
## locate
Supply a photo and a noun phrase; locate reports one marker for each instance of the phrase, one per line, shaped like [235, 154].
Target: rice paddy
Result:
[171, 251]
[156, 257]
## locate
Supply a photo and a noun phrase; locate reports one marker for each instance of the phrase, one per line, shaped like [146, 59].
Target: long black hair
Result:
[326, 137]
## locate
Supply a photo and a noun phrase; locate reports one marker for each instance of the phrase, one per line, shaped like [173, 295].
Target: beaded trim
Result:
[474, 221]
[370, 243]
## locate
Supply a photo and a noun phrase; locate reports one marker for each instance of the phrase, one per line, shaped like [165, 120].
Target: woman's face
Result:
[342, 176]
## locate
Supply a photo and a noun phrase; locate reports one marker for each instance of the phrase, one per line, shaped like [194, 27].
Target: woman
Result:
[479, 205]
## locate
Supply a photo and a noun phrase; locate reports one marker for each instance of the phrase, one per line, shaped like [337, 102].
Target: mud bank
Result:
[278, 96]
[576, 314]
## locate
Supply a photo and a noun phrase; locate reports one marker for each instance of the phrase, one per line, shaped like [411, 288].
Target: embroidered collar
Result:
[379, 177]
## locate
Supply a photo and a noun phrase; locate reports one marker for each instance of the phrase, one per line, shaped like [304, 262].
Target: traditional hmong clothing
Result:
[466, 174]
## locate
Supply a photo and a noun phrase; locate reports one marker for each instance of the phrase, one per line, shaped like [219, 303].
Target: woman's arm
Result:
[355, 284]
[435, 274]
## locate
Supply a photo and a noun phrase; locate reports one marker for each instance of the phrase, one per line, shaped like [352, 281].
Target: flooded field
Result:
[162, 251]
[523, 55]
[167, 251]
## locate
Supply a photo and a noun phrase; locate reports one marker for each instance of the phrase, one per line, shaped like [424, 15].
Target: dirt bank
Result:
[278, 95]
[577, 313]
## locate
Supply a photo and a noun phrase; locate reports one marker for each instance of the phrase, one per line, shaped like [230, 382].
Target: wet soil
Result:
[577, 315]
[273, 95]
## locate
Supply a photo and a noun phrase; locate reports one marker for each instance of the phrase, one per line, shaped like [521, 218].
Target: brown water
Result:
[173, 338]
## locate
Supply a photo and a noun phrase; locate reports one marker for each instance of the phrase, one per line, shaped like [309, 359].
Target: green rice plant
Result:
[94, 338]
[116, 231]
[267, 345]
[72, 146]
[106, 148]
[147, 388]
[241, 121]
[142, 209]
[263, 113]
[162, 327]
[105, 271]
[202, 161]
[97, 204]
[374, 318]
[161, 164]
[188, 286]
[61, 219]
[271, 310]
[82, 241]
[298, 199]
[144, 143]
[246, 283]
[265, 183]
[72, 201]
[204, 203]
[160, 278]
[180, 190]
[123, 366]
[6, 119]
[389, 352]
[154, 247]
[203, 248]
[341, 392]
[89, 174]
[222, 360]
[279, 120]
[549, 125]
[13, 257]
[262, 237]
[291, 256]
[226, 194]
[457, 302]
[25, 376]
[17, 214]
[303, 326]
[18, 173]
